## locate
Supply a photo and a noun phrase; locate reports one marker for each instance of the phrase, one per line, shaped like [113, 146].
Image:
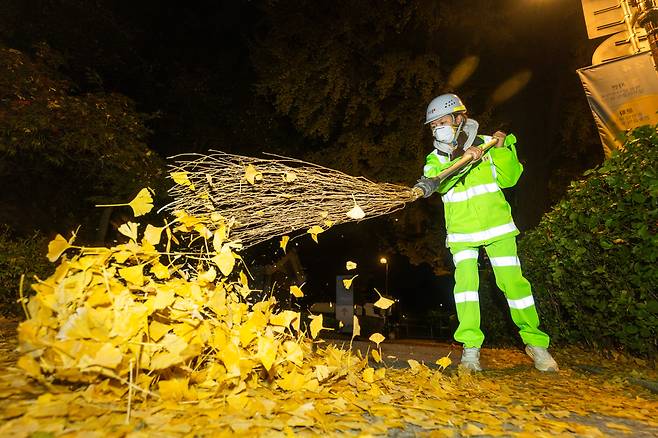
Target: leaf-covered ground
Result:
[590, 396]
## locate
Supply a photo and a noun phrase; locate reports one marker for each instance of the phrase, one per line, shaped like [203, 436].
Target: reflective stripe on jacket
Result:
[475, 208]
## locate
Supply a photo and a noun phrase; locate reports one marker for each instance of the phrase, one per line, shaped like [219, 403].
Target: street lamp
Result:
[384, 262]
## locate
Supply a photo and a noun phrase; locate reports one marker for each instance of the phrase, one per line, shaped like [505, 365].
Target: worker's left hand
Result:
[500, 136]
[474, 152]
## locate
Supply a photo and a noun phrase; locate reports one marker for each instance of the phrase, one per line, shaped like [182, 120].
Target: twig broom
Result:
[269, 197]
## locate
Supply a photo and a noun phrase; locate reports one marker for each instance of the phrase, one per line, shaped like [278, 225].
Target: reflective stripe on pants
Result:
[509, 279]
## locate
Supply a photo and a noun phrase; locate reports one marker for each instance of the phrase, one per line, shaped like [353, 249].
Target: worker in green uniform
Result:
[477, 215]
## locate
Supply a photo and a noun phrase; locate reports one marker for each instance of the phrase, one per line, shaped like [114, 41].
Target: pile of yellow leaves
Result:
[171, 324]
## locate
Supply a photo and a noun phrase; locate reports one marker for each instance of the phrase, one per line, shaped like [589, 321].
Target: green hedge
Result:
[593, 259]
[20, 256]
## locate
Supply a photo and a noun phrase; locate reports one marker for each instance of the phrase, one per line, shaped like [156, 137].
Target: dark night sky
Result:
[145, 45]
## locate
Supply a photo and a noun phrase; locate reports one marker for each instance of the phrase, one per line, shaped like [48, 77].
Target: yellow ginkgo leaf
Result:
[316, 325]
[413, 364]
[356, 212]
[347, 282]
[368, 375]
[267, 349]
[133, 274]
[160, 271]
[129, 229]
[444, 362]
[289, 177]
[56, 247]
[314, 231]
[321, 372]
[329, 224]
[350, 265]
[143, 202]
[356, 328]
[252, 175]
[294, 352]
[383, 303]
[284, 242]
[207, 276]
[153, 234]
[225, 260]
[218, 237]
[181, 178]
[376, 355]
[296, 291]
[377, 338]
[108, 356]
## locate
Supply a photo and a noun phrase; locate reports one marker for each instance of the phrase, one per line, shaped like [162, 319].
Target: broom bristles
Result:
[288, 195]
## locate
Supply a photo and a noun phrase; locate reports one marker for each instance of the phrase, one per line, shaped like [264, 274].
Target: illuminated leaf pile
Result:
[276, 196]
[178, 324]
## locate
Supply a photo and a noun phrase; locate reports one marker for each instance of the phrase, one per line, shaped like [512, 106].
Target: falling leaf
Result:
[444, 362]
[289, 177]
[314, 231]
[56, 247]
[356, 328]
[347, 282]
[376, 355]
[377, 338]
[181, 178]
[316, 325]
[383, 303]
[252, 175]
[143, 202]
[153, 234]
[356, 212]
[284, 242]
[129, 229]
[350, 265]
[296, 291]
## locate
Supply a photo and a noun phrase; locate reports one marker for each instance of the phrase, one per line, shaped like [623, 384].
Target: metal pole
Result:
[647, 17]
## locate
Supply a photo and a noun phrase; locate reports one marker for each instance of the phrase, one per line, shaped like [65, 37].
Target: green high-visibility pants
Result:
[509, 279]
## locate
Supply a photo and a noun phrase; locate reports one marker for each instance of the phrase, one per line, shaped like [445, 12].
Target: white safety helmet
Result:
[443, 105]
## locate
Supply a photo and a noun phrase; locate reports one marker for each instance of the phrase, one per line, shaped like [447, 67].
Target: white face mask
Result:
[445, 134]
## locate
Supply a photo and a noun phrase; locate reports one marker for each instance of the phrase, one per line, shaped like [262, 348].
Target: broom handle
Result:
[459, 165]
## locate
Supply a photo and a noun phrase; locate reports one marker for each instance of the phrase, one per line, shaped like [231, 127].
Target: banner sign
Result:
[622, 94]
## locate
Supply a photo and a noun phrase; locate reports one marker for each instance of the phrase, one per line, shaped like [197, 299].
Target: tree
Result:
[63, 151]
[354, 79]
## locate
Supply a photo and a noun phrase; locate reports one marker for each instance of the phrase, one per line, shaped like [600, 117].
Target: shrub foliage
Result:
[592, 260]
[20, 256]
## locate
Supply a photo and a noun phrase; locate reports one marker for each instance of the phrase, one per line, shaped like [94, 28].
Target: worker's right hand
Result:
[474, 152]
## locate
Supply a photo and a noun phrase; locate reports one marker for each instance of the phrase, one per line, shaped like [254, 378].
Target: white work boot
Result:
[471, 359]
[543, 359]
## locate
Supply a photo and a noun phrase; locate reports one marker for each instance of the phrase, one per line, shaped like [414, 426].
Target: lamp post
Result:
[384, 262]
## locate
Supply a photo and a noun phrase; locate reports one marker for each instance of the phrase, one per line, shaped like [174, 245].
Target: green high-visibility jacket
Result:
[476, 212]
